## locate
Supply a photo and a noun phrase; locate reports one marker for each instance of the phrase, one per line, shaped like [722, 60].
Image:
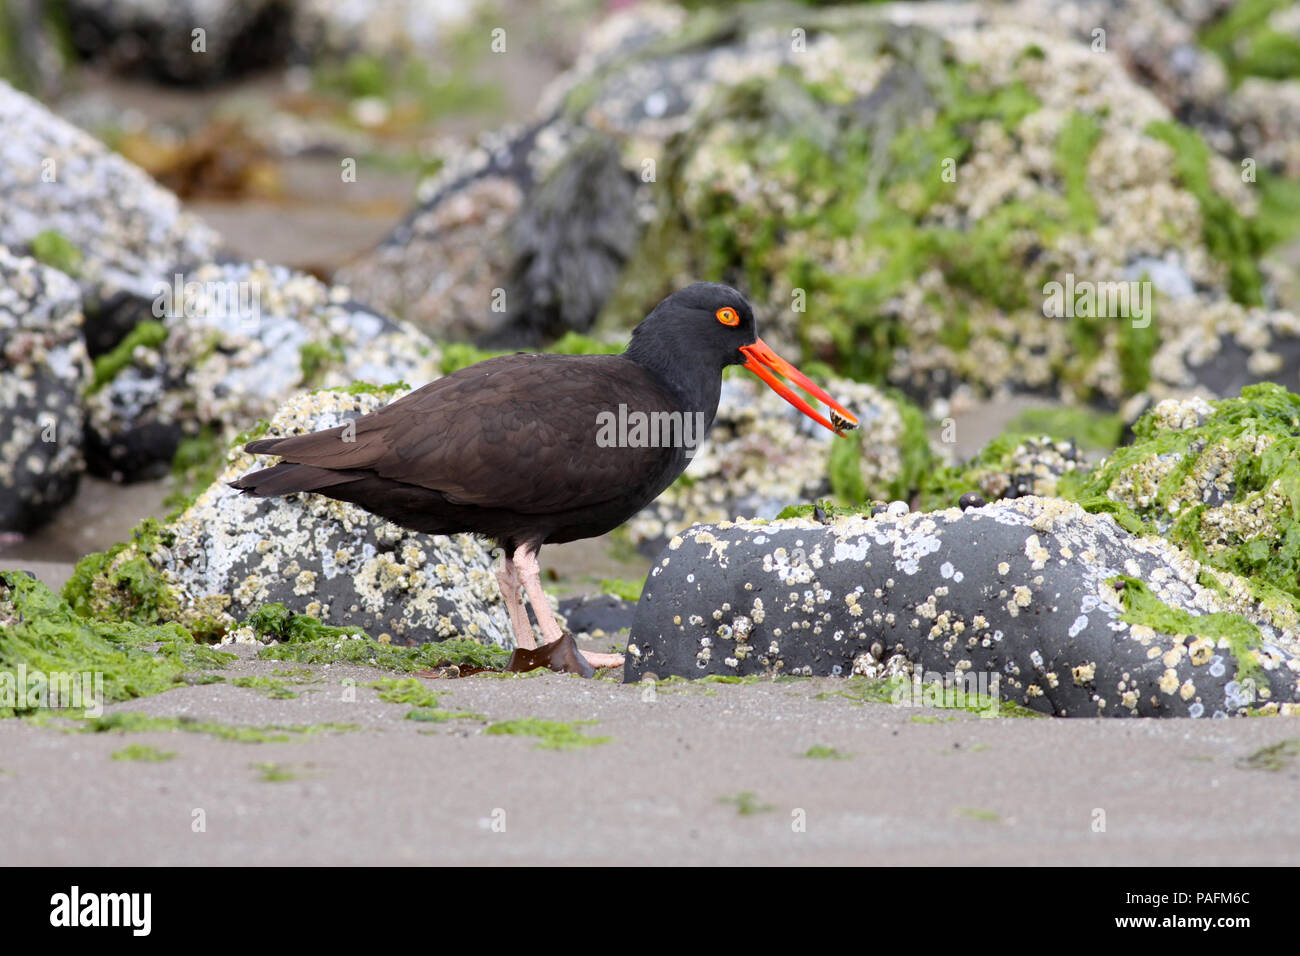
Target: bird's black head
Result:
[692, 335]
[707, 321]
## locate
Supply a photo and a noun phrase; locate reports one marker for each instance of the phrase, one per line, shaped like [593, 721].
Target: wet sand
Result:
[916, 787]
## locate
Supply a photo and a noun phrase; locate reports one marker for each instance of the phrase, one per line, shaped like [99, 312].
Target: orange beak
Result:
[763, 362]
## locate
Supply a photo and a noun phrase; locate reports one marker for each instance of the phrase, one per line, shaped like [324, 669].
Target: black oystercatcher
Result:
[531, 449]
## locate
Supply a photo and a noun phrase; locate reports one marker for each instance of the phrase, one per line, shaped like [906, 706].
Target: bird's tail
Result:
[288, 477]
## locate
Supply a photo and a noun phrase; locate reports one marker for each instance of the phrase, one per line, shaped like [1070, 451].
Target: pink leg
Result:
[508, 579]
[530, 573]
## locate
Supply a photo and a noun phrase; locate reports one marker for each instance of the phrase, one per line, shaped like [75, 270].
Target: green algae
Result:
[314, 358]
[1074, 146]
[132, 722]
[943, 487]
[57, 251]
[1086, 427]
[275, 689]
[1142, 606]
[306, 640]
[366, 388]
[822, 752]
[116, 585]
[1269, 559]
[271, 772]
[550, 734]
[844, 469]
[623, 589]
[459, 355]
[976, 813]
[1248, 44]
[427, 715]
[46, 635]
[195, 465]
[860, 690]
[1275, 757]
[405, 690]
[148, 334]
[746, 803]
[143, 753]
[826, 200]
[1230, 237]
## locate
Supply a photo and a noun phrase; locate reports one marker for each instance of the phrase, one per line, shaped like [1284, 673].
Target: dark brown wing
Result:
[517, 432]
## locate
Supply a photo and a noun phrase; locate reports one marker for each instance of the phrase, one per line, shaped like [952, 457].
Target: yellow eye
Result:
[728, 316]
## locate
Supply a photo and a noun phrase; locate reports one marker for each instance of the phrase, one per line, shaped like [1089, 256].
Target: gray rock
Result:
[1017, 589]
[43, 370]
[131, 233]
[157, 36]
[522, 238]
[248, 337]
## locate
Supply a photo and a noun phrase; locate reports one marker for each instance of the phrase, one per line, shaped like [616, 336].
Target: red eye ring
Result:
[728, 316]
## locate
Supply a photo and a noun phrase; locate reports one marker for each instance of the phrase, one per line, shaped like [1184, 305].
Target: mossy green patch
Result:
[550, 734]
[307, 640]
[620, 588]
[275, 689]
[271, 772]
[131, 722]
[1244, 38]
[147, 334]
[943, 487]
[1268, 556]
[976, 813]
[45, 635]
[122, 584]
[366, 388]
[429, 716]
[196, 464]
[1275, 757]
[1231, 238]
[57, 251]
[1086, 427]
[143, 753]
[1142, 606]
[844, 468]
[746, 803]
[821, 752]
[1074, 146]
[315, 358]
[405, 690]
[860, 690]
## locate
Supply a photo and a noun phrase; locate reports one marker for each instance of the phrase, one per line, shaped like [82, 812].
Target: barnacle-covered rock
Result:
[1010, 466]
[1071, 614]
[43, 369]
[896, 188]
[120, 233]
[234, 341]
[1003, 157]
[228, 554]
[764, 455]
[1220, 479]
